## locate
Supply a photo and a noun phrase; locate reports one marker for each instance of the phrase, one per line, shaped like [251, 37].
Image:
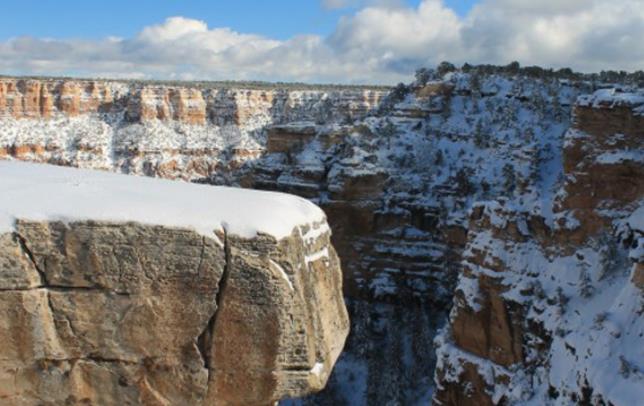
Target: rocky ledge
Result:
[128, 290]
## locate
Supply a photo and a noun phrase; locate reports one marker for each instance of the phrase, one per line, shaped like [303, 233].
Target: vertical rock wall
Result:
[124, 313]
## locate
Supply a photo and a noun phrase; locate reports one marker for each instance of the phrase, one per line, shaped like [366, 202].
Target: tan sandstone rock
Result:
[97, 312]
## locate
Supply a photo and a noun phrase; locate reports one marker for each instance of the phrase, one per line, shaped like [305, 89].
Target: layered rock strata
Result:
[126, 311]
[45, 99]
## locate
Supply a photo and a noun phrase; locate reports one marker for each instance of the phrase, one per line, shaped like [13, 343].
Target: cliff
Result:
[551, 312]
[127, 290]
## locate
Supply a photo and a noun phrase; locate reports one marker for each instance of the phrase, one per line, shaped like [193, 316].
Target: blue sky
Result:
[279, 19]
[328, 41]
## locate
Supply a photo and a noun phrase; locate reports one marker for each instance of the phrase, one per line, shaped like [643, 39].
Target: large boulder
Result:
[124, 307]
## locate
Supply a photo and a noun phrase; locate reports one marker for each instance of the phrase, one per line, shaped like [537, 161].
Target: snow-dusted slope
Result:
[550, 312]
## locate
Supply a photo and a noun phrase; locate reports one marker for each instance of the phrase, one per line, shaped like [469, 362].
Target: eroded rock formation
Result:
[44, 99]
[98, 312]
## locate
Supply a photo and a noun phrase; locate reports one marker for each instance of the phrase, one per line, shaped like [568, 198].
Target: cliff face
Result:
[121, 312]
[603, 160]
[552, 312]
[20, 98]
[173, 132]
[397, 177]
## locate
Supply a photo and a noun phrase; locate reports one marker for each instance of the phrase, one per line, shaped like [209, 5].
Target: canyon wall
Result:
[398, 175]
[551, 312]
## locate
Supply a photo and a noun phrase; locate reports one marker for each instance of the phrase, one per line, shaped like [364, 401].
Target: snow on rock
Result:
[316, 256]
[613, 97]
[620, 156]
[551, 313]
[48, 193]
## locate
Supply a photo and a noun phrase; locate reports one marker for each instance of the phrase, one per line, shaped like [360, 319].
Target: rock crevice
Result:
[204, 341]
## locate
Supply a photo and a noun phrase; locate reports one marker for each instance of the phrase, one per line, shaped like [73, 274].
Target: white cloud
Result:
[401, 32]
[583, 34]
[381, 43]
[173, 28]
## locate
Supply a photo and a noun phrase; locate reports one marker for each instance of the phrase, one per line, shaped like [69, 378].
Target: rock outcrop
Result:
[128, 312]
[603, 160]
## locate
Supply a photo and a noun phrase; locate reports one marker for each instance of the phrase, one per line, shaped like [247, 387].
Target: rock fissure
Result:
[201, 257]
[205, 339]
[297, 368]
[23, 245]
[66, 289]
[99, 360]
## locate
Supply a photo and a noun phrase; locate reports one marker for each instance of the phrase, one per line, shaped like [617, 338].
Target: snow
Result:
[323, 253]
[636, 220]
[282, 273]
[614, 157]
[383, 285]
[49, 193]
[317, 369]
[612, 97]
[596, 330]
[314, 233]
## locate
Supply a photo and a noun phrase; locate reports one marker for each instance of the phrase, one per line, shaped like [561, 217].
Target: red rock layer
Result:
[601, 163]
[27, 98]
[22, 98]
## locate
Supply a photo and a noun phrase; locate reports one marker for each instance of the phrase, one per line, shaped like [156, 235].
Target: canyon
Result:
[489, 225]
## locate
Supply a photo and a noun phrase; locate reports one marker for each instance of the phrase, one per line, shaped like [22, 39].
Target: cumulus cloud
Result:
[383, 42]
[584, 34]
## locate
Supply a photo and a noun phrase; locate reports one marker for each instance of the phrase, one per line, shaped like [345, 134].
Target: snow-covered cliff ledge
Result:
[50, 193]
[130, 290]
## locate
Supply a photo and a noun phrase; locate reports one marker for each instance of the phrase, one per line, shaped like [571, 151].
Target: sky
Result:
[328, 41]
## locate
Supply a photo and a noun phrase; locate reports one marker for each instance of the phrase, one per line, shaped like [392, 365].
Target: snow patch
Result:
[323, 253]
[282, 273]
[317, 369]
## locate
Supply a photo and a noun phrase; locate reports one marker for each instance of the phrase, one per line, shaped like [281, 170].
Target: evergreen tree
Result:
[438, 159]
[510, 178]
[422, 76]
